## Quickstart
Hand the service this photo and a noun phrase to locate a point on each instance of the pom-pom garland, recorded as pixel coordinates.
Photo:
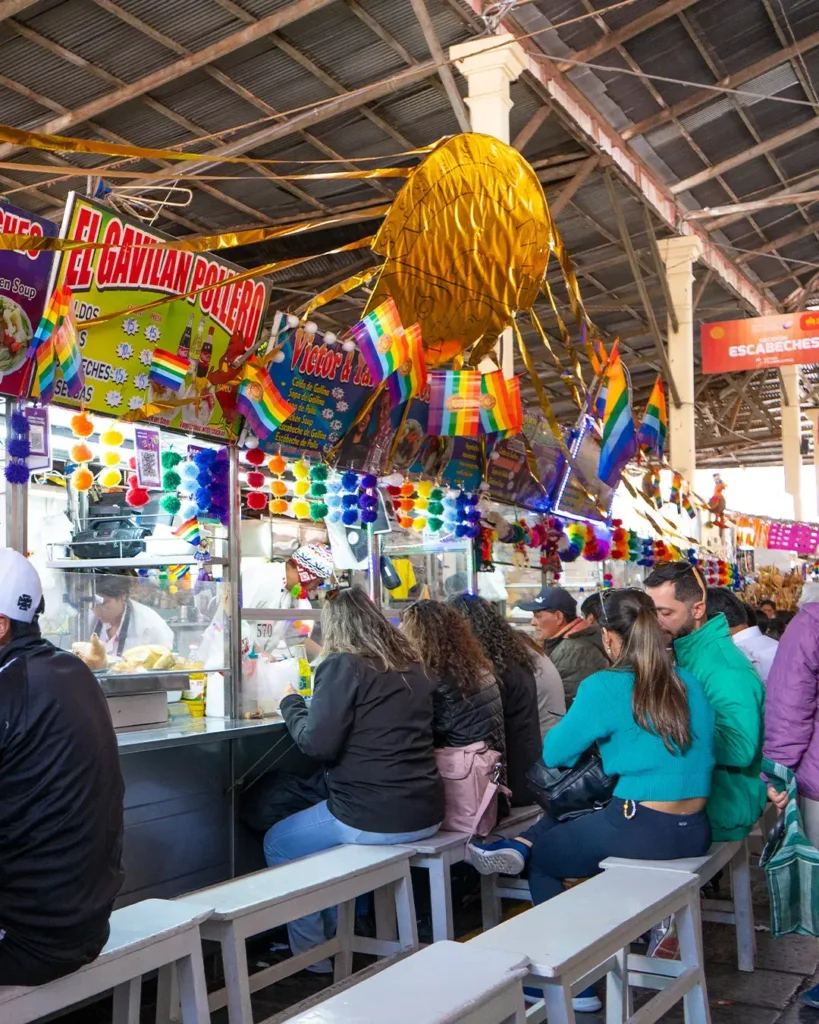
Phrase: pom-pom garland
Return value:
(171, 480)
(277, 465)
(319, 472)
(255, 457)
(170, 460)
(81, 426)
(170, 503)
(257, 500)
(301, 470)
(110, 477)
(278, 488)
(278, 506)
(80, 453)
(255, 479)
(82, 479)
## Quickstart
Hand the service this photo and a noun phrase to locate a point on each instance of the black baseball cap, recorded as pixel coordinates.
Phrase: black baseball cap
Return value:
(552, 599)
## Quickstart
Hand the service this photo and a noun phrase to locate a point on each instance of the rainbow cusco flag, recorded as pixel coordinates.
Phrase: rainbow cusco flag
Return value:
(168, 370)
(455, 402)
(260, 402)
(381, 340)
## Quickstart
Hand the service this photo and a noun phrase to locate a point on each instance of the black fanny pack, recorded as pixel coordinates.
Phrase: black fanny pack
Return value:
(566, 793)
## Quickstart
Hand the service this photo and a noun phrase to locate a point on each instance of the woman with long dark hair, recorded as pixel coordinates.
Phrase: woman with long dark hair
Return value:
(513, 665)
(370, 723)
(654, 729)
(466, 705)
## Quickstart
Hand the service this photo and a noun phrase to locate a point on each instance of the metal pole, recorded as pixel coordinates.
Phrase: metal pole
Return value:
(233, 683)
(374, 566)
(16, 503)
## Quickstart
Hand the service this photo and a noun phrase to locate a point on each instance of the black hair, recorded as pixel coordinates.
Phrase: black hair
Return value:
(775, 628)
(591, 606)
(767, 600)
(18, 630)
(501, 644)
(113, 586)
(688, 584)
(725, 601)
(750, 614)
(785, 616)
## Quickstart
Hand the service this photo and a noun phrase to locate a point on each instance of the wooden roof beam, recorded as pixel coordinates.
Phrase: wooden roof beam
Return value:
(444, 70)
(10, 8)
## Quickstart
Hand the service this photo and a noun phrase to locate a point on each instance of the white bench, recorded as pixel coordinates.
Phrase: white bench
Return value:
(437, 854)
(738, 911)
(144, 937)
(446, 983)
(581, 935)
(257, 903)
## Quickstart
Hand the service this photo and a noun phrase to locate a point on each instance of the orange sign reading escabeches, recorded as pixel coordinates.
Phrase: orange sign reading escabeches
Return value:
(731, 346)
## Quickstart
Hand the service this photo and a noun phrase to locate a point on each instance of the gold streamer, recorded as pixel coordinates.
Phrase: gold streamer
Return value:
(67, 144)
(564, 376)
(195, 243)
(540, 391)
(135, 176)
(149, 409)
(566, 338)
(336, 290)
(359, 416)
(396, 438)
(266, 268)
(531, 464)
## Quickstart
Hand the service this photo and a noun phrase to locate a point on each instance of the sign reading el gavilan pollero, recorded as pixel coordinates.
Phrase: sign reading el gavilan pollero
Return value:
(130, 272)
(732, 346)
(23, 290)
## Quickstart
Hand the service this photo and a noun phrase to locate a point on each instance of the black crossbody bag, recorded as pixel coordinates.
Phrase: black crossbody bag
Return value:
(566, 793)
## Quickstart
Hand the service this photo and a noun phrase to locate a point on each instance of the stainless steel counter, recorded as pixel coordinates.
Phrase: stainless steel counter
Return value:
(195, 730)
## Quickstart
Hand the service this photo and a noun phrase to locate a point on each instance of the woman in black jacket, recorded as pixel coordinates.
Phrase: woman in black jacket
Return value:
(370, 724)
(514, 667)
(466, 705)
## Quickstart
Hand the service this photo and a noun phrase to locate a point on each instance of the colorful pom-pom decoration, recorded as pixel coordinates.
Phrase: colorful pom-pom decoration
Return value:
(277, 465)
(301, 470)
(301, 487)
(82, 479)
(255, 479)
(436, 494)
(255, 457)
(170, 503)
(257, 500)
(80, 453)
(110, 458)
(349, 501)
(369, 515)
(170, 460)
(16, 472)
(135, 496)
(407, 489)
(301, 509)
(318, 489)
(350, 517)
(434, 525)
(111, 438)
(318, 510)
(369, 481)
(424, 488)
(278, 488)
(110, 478)
(405, 521)
(81, 426)
(349, 480)
(278, 506)
(406, 505)
(18, 448)
(421, 504)
(319, 472)
(171, 480)
(419, 523)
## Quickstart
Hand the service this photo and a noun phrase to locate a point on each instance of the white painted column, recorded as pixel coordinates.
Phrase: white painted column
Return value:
(489, 76)
(679, 255)
(813, 416)
(791, 414)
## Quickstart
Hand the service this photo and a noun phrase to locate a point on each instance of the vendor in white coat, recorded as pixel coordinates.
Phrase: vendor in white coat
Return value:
(122, 623)
(759, 649)
(280, 585)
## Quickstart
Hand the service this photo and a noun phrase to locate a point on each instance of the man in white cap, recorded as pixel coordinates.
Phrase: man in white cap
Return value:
(61, 795)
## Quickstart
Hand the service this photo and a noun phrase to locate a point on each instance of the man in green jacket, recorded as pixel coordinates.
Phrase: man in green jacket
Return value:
(733, 688)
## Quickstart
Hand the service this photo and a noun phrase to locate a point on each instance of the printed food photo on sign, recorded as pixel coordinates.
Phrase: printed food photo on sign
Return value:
(24, 280)
(166, 355)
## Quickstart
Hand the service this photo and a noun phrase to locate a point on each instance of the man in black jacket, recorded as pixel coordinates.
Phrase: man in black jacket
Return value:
(61, 796)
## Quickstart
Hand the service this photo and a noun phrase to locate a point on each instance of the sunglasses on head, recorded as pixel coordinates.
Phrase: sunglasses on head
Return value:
(681, 568)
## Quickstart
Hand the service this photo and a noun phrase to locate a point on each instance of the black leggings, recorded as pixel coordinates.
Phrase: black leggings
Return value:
(574, 849)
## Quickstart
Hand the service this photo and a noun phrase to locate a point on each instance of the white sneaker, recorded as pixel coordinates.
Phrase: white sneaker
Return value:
(587, 1004)
(506, 861)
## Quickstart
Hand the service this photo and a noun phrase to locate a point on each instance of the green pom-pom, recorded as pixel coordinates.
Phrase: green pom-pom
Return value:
(318, 511)
(171, 480)
(170, 460)
(319, 472)
(435, 508)
(434, 525)
(436, 494)
(170, 504)
(318, 490)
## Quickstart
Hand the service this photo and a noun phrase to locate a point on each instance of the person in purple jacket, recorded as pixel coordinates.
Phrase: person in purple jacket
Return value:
(792, 717)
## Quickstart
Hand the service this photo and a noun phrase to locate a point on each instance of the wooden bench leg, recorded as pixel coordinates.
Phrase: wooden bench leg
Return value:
(689, 933)
(743, 909)
(127, 999)
(618, 993)
(440, 895)
(385, 924)
(491, 909)
(405, 912)
(345, 928)
(193, 989)
(167, 996)
(237, 985)
(558, 1003)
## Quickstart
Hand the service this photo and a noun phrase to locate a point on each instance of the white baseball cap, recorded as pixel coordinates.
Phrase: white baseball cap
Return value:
(20, 589)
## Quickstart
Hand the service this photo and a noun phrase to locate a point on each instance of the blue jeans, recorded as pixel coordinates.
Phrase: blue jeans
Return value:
(312, 831)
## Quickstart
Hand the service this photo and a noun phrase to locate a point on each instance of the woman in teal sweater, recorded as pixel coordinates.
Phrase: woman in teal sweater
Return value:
(655, 730)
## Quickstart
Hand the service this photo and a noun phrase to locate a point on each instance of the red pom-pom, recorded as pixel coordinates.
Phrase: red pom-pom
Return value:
(136, 497)
(255, 479)
(257, 501)
(393, 491)
(255, 456)
(132, 462)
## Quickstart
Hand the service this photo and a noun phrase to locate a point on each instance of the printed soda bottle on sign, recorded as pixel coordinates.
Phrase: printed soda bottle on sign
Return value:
(198, 341)
(205, 357)
(185, 341)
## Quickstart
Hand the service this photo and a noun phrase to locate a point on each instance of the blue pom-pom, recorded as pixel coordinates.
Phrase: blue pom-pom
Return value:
(203, 498)
(334, 517)
(472, 531)
(334, 486)
(473, 516)
(205, 458)
(334, 501)
(349, 500)
(450, 515)
(461, 530)
(16, 472)
(18, 448)
(19, 422)
(349, 480)
(350, 517)
(473, 499)
(369, 515)
(367, 501)
(368, 481)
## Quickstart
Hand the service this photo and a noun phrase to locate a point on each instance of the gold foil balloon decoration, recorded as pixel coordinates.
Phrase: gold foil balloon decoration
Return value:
(465, 244)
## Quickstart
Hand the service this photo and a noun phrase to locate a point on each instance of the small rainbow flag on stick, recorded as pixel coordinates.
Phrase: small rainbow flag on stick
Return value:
(619, 435)
(42, 344)
(455, 402)
(652, 433)
(260, 402)
(501, 410)
(177, 572)
(410, 378)
(381, 340)
(168, 370)
(189, 531)
(67, 350)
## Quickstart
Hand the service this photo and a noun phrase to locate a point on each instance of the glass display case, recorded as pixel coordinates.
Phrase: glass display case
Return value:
(425, 568)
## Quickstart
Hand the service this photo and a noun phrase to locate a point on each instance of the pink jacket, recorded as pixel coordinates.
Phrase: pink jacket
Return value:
(792, 701)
